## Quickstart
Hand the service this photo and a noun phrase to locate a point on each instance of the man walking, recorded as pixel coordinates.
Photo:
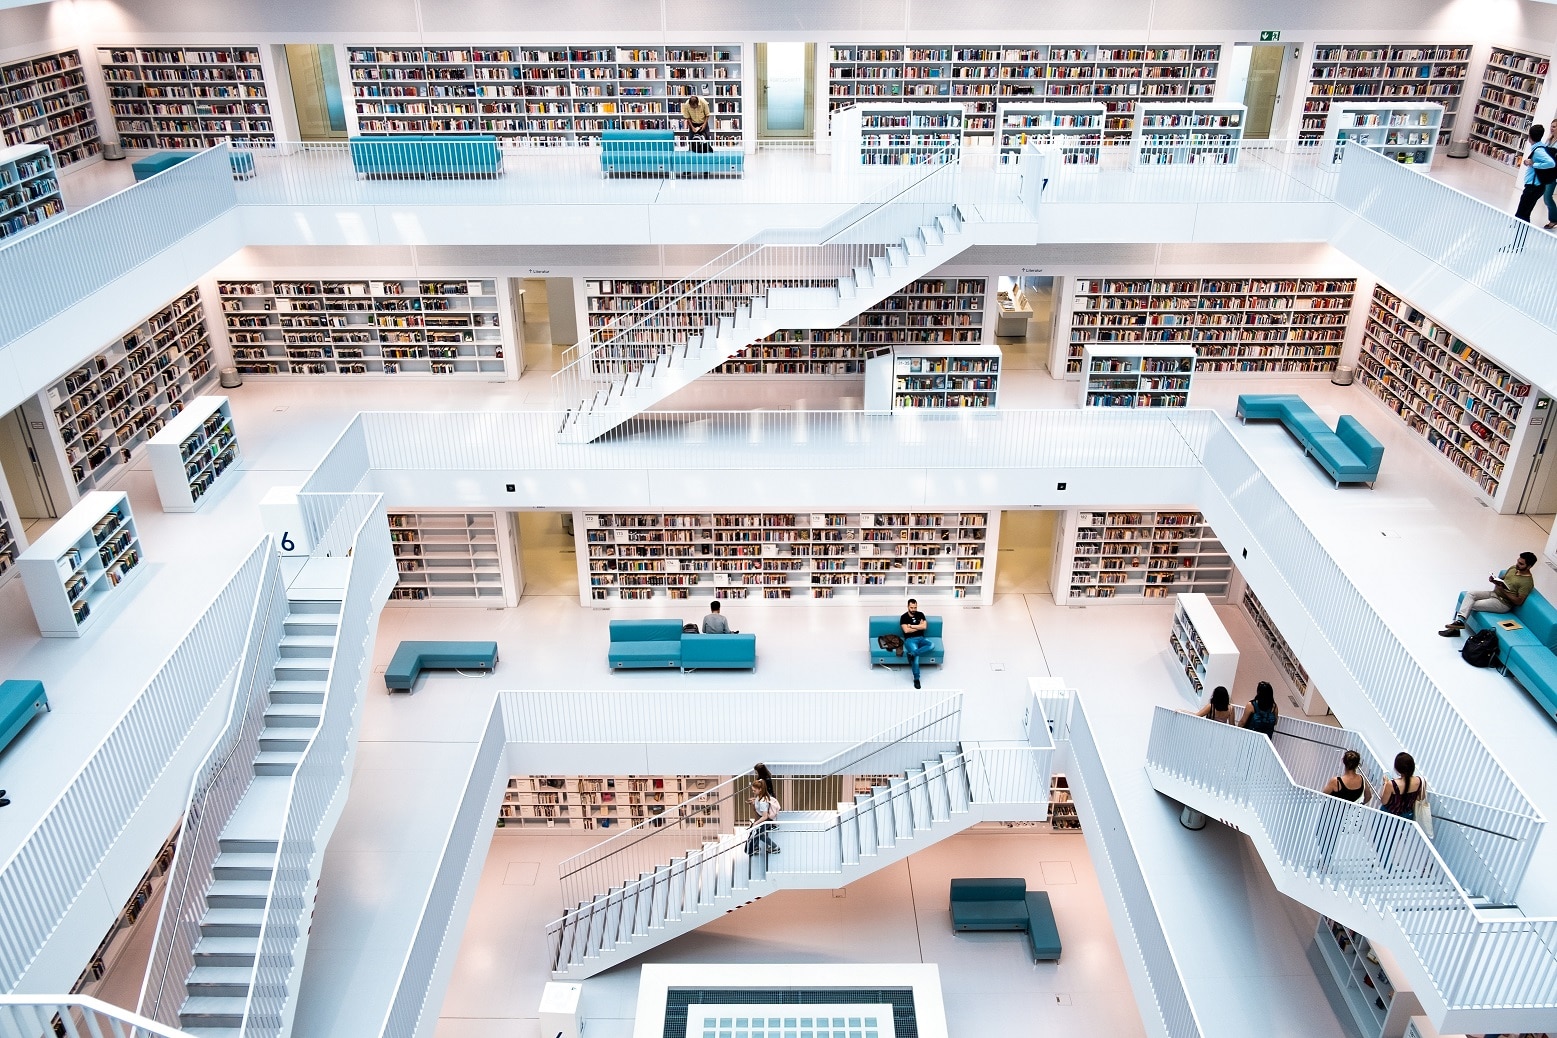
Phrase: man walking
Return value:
(914, 624)
(1540, 170)
(1509, 591)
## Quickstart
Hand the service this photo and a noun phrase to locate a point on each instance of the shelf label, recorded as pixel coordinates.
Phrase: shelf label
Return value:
(1270, 35)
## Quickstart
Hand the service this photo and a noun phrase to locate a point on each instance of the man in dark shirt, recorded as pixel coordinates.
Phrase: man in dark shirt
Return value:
(914, 625)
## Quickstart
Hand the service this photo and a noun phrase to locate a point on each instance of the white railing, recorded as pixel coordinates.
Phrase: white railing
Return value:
(1267, 171)
(55, 862)
(1108, 838)
(343, 466)
(218, 786)
(46, 272)
(1478, 242)
(1369, 861)
(75, 1016)
(318, 785)
(470, 832)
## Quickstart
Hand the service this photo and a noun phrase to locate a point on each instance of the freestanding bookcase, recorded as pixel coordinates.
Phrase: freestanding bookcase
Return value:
(1077, 128)
(1138, 376)
(192, 452)
(1135, 556)
(903, 133)
(1180, 133)
(1406, 132)
(1204, 651)
(80, 563)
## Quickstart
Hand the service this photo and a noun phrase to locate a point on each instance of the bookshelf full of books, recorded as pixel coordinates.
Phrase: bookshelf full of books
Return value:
(106, 409)
(187, 97)
(1062, 806)
(1140, 376)
(1132, 556)
(896, 133)
(451, 558)
(192, 452)
(579, 802)
(1076, 127)
(543, 95)
(1404, 131)
(29, 189)
(1510, 89)
(1301, 690)
(843, 556)
(368, 326)
(1473, 412)
(1241, 326)
(44, 100)
(946, 376)
(1384, 73)
(980, 77)
(81, 562)
(1180, 133)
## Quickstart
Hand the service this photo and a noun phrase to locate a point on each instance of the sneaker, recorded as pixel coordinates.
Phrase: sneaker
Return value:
(4, 802)
(916, 682)
(1452, 631)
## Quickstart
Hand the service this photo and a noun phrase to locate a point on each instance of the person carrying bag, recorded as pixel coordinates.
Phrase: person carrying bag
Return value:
(765, 809)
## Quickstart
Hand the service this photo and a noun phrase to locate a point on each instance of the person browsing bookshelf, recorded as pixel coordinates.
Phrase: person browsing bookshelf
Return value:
(1509, 591)
(714, 622)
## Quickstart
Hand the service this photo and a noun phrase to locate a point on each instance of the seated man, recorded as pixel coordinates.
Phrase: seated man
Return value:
(714, 622)
(1509, 591)
(914, 625)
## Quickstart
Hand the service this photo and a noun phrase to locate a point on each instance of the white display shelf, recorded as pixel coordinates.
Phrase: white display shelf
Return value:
(1406, 132)
(1238, 326)
(1133, 556)
(1510, 89)
(1367, 977)
(853, 556)
(1302, 692)
(1142, 376)
(1472, 411)
(1381, 72)
(903, 133)
(577, 802)
(980, 76)
(1076, 127)
(44, 100)
(551, 95)
(105, 410)
(187, 97)
(370, 326)
(1205, 653)
(80, 563)
(452, 558)
(1179, 133)
(192, 452)
(965, 376)
(1062, 806)
(29, 189)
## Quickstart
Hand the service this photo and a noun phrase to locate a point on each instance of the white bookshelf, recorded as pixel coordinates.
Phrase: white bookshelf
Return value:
(1180, 133)
(960, 376)
(1301, 690)
(1062, 806)
(107, 408)
(1239, 326)
(1139, 555)
(1077, 128)
(456, 327)
(192, 452)
(452, 558)
(1469, 409)
(1205, 655)
(550, 95)
(1368, 978)
(1140, 376)
(1404, 131)
(12, 540)
(187, 97)
(578, 802)
(1384, 73)
(80, 563)
(887, 133)
(29, 189)
(657, 557)
(44, 100)
(1510, 89)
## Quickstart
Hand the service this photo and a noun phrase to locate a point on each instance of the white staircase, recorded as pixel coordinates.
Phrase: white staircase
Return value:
(218, 987)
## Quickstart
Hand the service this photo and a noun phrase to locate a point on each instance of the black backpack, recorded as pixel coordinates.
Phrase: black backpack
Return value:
(1481, 649)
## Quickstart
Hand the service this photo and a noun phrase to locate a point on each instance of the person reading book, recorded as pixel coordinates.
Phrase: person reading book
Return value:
(1509, 591)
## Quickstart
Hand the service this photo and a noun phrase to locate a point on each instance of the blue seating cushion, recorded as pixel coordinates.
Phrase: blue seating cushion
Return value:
(1535, 667)
(989, 915)
(722, 651)
(1041, 931)
(1507, 640)
(1265, 405)
(645, 631)
(412, 657)
(1540, 617)
(623, 655)
(880, 625)
(987, 888)
(1362, 443)
(1350, 454)
(411, 154)
(20, 702)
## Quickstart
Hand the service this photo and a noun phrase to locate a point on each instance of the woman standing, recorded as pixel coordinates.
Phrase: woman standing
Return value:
(1404, 796)
(1261, 714)
(1219, 707)
(1350, 787)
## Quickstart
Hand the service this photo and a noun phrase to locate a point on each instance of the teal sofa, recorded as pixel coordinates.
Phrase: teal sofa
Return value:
(1350, 454)
(20, 702)
(1529, 651)
(880, 625)
(718, 652)
(241, 161)
(1007, 904)
(653, 153)
(411, 658)
(636, 644)
(427, 157)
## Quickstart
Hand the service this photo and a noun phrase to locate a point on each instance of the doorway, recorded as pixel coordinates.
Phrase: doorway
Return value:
(37, 503)
(1262, 90)
(1540, 496)
(1027, 542)
(1024, 321)
(786, 78)
(548, 557)
(316, 91)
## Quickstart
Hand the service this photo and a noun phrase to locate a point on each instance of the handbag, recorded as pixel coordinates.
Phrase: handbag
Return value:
(891, 642)
(1424, 815)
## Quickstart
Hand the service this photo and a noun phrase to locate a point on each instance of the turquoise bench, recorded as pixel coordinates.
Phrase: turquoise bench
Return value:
(1528, 652)
(1350, 454)
(644, 643)
(411, 658)
(241, 161)
(1006, 904)
(880, 625)
(426, 157)
(653, 153)
(718, 652)
(20, 702)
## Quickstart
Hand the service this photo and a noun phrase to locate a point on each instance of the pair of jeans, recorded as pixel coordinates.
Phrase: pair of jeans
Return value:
(913, 646)
(1551, 204)
(1479, 602)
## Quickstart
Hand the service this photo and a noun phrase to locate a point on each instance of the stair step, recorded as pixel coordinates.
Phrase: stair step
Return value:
(237, 893)
(291, 691)
(301, 670)
(209, 1011)
(288, 739)
(306, 646)
(226, 951)
(219, 981)
(243, 866)
(232, 922)
(212, 1032)
(276, 762)
(229, 845)
(292, 715)
(897, 256)
(316, 624)
(305, 601)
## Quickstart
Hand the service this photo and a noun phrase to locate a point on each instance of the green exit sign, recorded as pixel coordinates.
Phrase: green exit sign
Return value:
(1270, 35)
